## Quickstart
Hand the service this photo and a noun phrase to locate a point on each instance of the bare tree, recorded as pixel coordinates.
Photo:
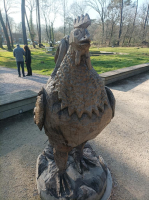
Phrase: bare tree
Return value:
(64, 9)
(31, 35)
(146, 17)
(52, 8)
(31, 6)
(1, 44)
(38, 22)
(78, 8)
(145, 22)
(23, 21)
(1, 39)
(100, 6)
(134, 21)
(69, 23)
(64, 12)
(7, 7)
(112, 19)
(5, 31)
(121, 21)
(122, 4)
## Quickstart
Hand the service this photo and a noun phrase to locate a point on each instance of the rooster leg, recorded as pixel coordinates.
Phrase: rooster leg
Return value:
(83, 159)
(60, 158)
(77, 154)
(61, 179)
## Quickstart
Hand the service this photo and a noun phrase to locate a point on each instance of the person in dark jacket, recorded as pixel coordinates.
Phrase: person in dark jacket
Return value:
(28, 60)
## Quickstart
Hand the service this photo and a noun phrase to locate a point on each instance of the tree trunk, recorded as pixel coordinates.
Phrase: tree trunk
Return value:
(7, 23)
(145, 23)
(126, 34)
(10, 34)
(133, 23)
(47, 32)
(29, 30)
(23, 22)
(103, 25)
(39, 27)
(111, 34)
(64, 9)
(5, 31)
(102, 31)
(37, 17)
(50, 36)
(52, 33)
(121, 24)
(1, 45)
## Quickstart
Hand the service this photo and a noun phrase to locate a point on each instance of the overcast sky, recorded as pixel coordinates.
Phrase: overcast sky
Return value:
(16, 14)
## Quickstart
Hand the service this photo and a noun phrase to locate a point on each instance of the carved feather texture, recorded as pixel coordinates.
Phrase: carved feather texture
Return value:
(39, 111)
(79, 89)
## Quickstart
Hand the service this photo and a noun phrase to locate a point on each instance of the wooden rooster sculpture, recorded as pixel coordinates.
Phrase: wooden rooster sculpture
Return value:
(73, 107)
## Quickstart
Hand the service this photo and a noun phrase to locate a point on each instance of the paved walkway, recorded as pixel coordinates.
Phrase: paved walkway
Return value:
(10, 82)
(124, 143)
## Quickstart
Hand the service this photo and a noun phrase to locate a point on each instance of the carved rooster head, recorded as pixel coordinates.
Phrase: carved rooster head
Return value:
(80, 38)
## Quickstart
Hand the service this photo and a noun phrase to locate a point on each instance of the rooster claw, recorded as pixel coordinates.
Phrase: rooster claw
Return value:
(84, 159)
(83, 164)
(80, 165)
(60, 185)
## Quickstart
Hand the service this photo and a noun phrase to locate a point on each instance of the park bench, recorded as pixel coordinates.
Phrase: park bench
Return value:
(49, 49)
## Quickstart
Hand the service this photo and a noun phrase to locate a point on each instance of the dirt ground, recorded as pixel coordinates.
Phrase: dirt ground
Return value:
(124, 145)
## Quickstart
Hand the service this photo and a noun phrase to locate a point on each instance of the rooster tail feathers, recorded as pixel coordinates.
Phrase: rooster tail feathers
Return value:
(39, 110)
(111, 99)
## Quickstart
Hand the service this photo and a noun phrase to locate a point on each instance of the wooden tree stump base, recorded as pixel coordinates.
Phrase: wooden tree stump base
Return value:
(93, 184)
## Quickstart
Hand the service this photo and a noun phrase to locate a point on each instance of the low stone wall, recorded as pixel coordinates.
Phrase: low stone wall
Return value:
(119, 74)
(16, 103)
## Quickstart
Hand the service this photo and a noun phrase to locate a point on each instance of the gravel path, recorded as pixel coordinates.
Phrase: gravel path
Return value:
(123, 144)
(10, 82)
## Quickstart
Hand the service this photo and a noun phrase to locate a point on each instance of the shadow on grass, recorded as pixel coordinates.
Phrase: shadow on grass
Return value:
(6, 49)
(8, 64)
(2, 48)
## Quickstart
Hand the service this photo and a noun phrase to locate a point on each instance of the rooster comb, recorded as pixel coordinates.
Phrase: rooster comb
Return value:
(82, 22)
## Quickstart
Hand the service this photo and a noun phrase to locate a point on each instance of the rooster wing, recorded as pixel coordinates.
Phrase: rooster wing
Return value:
(39, 111)
(111, 100)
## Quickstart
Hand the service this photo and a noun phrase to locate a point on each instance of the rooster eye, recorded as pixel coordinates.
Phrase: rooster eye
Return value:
(77, 32)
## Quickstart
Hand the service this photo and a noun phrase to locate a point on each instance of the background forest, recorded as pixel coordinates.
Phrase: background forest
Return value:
(118, 22)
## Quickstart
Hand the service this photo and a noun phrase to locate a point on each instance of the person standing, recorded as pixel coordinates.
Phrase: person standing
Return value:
(28, 60)
(18, 53)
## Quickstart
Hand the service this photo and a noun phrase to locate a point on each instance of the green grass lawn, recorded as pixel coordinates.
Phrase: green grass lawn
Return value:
(43, 63)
